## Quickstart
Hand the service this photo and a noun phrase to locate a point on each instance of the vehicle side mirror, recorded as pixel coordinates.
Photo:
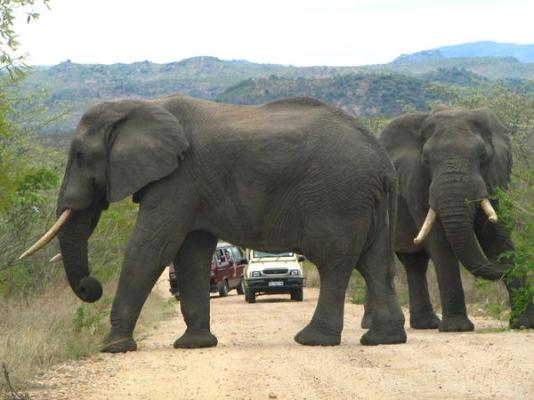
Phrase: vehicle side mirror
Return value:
(301, 258)
(244, 261)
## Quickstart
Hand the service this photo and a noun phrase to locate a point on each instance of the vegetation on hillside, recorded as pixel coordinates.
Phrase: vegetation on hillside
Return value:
(358, 94)
(71, 88)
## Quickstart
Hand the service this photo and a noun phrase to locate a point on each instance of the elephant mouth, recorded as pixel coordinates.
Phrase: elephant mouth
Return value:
(485, 205)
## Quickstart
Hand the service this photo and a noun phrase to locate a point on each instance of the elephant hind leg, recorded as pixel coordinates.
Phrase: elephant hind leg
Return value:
(327, 322)
(422, 315)
(377, 267)
(193, 275)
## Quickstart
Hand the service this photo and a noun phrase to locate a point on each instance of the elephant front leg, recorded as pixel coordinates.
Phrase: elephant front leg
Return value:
(454, 314)
(153, 245)
(141, 269)
(193, 273)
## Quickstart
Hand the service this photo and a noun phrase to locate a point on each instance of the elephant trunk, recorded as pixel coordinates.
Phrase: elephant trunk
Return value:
(73, 239)
(457, 214)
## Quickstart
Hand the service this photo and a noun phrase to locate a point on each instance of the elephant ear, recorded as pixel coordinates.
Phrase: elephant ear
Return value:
(145, 142)
(403, 141)
(497, 173)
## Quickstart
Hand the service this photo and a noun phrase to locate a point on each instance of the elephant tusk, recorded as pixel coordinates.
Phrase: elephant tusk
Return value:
(58, 257)
(427, 226)
(488, 209)
(48, 236)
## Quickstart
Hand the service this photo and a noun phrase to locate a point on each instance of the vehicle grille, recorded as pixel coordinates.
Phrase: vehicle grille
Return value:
(275, 271)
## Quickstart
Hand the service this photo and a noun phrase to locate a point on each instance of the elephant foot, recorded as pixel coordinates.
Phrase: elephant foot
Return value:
(118, 344)
(366, 321)
(525, 321)
(195, 340)
(318, 334)
(392, 334)
(459, 323)
(424, 321)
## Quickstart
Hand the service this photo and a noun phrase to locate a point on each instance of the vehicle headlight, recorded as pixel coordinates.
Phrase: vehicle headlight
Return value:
(294, 272)
(255, 274)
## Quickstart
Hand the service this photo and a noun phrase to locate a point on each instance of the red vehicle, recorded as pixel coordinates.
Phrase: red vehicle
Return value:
(227, 267)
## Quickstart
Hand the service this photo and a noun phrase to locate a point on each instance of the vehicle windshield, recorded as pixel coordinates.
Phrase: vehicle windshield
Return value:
(261, 254)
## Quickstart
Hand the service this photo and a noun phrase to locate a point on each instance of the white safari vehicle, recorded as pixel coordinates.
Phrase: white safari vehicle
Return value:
(269, 273)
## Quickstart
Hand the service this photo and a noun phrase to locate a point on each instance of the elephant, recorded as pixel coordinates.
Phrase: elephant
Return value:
(292, 175)
(448, 163)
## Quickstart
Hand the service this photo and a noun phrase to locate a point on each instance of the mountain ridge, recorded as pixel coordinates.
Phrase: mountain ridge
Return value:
(523, 53)
(73, 87)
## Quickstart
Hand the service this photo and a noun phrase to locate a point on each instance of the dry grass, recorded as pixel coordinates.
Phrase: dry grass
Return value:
(483, 298)
(42, 330)
(311, 274)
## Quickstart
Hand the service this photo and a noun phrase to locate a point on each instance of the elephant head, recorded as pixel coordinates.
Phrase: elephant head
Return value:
(449, 162)
(118, 148)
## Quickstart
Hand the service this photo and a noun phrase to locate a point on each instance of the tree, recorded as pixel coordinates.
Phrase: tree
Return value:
(9, 44)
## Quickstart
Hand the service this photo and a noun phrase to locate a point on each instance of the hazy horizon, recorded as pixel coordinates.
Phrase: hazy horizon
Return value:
(302, 33)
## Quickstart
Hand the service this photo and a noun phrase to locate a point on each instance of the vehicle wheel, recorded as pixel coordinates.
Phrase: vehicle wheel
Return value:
(241, 287)
(223, 291)
(250, 296)
(297, 294)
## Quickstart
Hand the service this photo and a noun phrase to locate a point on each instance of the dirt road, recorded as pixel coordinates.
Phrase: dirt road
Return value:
(257, 359)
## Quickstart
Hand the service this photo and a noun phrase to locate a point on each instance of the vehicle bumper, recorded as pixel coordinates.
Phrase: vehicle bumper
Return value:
(273, 285)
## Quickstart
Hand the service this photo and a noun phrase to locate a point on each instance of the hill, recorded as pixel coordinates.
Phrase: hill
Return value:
(523, 53)
(358, 94)
(70, 88)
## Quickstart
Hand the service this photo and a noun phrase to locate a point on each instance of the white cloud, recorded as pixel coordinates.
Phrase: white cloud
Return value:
(298, 32)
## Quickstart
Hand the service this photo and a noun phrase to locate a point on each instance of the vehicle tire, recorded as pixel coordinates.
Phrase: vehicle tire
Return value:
(297, 294)
(223, 291)
(241, 287)
(250, 296)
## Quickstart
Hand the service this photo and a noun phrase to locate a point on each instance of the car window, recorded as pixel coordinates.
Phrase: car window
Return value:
(236, 253)
(221, 257)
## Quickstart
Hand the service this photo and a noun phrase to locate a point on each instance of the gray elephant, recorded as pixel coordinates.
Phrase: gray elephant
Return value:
(448, 163)
(292, 175)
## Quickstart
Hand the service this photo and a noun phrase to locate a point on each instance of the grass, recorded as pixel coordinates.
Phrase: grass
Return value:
(311, 274)
(39, 331)
(483, 298)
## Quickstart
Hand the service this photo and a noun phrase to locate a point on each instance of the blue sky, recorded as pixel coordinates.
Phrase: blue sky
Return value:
(297, 32)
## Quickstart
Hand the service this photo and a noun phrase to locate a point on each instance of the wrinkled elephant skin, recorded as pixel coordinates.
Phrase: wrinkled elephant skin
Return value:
(449, 163)
(292, 175)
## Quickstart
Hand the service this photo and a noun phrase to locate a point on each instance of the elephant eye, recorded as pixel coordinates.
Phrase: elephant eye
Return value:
(483, 154)
(79, 156)
(424, 159)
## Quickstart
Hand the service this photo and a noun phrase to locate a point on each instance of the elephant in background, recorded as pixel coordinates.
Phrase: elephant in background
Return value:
(448, 164)
(292, 175)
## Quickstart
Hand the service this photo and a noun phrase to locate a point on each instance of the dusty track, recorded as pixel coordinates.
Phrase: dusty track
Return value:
(257, 359)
